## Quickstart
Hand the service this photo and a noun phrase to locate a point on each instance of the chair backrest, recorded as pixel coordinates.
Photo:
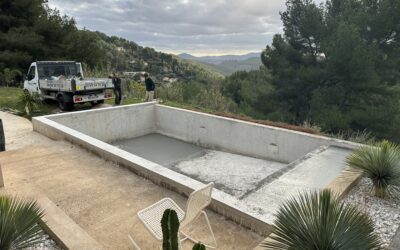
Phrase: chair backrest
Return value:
(198, 200)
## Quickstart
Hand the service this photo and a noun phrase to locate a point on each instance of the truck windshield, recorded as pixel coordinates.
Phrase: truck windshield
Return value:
(55, 71)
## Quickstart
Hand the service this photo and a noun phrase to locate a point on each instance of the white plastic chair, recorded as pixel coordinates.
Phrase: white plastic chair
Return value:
(197, 201)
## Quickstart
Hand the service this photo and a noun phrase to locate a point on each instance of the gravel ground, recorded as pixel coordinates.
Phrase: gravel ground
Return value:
(385, 213)
(46, 244)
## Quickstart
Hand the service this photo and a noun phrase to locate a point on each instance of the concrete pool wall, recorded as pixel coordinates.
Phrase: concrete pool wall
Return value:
(241, 137)
(110, 124)
(96, 129)
(209, 131)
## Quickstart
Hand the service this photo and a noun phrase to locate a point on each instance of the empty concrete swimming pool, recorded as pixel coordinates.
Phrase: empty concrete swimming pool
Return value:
(255, 167)
(232, 173)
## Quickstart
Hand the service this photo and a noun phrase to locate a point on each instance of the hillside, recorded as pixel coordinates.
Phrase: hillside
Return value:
(227, 64)
(220, 59)
(46, 35)
(232, 66)
(126, 55)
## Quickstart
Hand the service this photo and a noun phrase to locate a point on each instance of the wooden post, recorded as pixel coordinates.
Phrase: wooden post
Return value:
(2, 138)
(1, 178)
(2, 148)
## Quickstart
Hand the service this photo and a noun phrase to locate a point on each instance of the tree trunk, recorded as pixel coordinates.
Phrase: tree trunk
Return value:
(2, 138)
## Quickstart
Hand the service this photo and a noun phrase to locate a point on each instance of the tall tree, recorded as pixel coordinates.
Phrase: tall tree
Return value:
(293, 58)
(338, 64)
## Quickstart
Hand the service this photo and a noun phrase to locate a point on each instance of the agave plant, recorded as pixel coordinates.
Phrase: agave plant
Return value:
(19, 223)
(380, 163)
(318, 220)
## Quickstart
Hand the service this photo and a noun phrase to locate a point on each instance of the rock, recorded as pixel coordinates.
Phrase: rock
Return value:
(46, 244)
(384, 213)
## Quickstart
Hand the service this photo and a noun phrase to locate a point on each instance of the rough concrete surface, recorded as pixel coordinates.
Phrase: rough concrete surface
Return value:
(18, 132)
(111, 123)
(232, 173)
(244, 177)
(313, 173)
(159, 148)
(64, 230)
(237, 136)
(99, 196)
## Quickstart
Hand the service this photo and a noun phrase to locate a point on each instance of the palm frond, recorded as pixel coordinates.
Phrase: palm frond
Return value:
(29, 102)
(19, 223)
(317, 220)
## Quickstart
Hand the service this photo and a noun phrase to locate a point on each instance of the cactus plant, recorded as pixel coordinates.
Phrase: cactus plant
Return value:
(199, 246)
(170, 229)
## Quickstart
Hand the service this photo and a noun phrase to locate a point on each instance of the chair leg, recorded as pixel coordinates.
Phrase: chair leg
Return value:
(211, 231)
(133, 242)
(187, 237)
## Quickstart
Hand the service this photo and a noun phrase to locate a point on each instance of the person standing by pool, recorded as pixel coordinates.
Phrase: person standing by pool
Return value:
(150, 87)
(117, 88)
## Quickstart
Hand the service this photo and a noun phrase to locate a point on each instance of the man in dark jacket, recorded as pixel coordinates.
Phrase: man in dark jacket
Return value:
(117, 88)
(150, 86)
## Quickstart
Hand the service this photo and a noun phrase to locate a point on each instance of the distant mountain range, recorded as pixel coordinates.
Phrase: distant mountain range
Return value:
(228, 64)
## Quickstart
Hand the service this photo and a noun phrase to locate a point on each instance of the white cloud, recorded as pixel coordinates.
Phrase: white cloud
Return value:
(194, 26)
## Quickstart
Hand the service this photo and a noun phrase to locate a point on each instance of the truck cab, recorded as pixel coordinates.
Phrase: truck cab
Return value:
(64, 82)
(31, 83)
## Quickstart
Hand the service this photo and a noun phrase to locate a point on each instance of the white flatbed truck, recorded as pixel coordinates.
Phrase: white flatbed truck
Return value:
(64, 82)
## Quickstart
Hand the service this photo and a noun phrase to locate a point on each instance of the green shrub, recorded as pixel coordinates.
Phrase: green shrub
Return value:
(29, 102)
(10, 77)
(170, 92)
(317, 221)
(380, 162)
(363, 136)
(212, 99)
(138, 90)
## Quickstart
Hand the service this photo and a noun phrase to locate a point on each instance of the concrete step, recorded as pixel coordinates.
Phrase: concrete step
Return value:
(313, 172)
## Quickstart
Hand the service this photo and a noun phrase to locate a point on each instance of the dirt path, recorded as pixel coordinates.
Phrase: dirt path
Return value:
(18, 132)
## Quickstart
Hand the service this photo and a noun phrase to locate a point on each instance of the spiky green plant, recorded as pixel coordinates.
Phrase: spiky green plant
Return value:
(318, 220)
(380, 162)
(199, 246)
(19, 223)
(170, 230)
(29, 102)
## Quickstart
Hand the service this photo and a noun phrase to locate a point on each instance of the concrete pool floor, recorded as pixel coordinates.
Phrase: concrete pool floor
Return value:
(98, 195)
(232, 173)
(260, 183)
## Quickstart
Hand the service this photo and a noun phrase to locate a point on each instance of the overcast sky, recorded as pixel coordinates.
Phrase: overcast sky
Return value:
(199, 27)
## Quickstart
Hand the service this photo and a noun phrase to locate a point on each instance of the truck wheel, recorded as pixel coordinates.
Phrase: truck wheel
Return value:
(64, 103)
(48, 101)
